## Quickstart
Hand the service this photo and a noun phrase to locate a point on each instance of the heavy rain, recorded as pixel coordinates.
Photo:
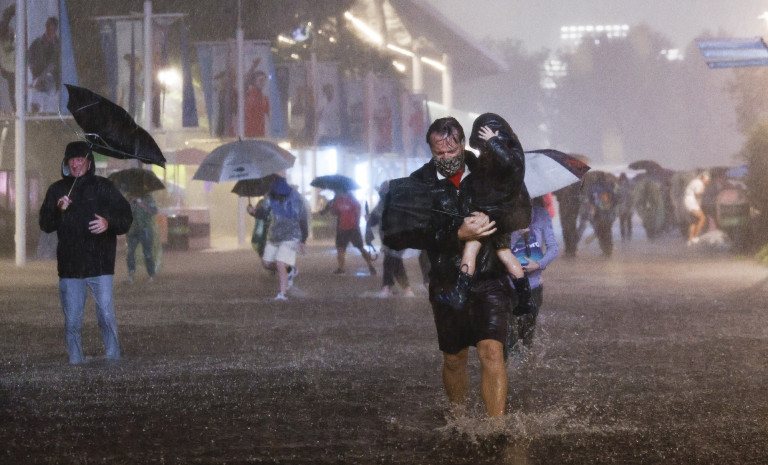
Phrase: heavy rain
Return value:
(649, 346)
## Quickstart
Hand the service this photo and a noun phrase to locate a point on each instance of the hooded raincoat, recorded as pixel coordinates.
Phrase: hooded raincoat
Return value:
(81, 254)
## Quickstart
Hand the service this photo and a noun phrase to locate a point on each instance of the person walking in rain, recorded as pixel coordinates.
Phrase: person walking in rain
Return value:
(347, 210)
(393, 266)
(496, 189)
(287, 234)
(692, 201)
(535, 247)
(484, 320)
(88, 213)
(142, 232)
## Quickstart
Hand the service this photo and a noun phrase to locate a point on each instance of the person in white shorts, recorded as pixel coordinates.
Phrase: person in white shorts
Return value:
(692, 201)
(288, 232)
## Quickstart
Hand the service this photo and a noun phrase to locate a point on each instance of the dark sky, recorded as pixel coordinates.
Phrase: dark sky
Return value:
(537, 22)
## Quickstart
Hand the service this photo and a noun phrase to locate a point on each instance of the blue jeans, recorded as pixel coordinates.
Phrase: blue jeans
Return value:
(145, 238)
(73, 292)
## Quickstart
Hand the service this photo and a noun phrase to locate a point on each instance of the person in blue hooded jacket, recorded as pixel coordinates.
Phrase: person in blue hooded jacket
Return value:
(87, 212)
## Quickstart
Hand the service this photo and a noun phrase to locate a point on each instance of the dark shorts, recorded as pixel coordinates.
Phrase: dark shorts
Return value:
(344, 237)
(485, 316)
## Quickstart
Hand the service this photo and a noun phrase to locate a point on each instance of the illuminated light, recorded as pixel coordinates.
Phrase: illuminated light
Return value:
(433, 63)
(590, 28)
(287, 40)
(295, 56)
(398, 66)
(169, 77)
(332, 40)
(399, 50)
(373, 35)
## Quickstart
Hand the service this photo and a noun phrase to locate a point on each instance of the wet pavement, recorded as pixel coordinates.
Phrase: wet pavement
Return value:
(657, 355)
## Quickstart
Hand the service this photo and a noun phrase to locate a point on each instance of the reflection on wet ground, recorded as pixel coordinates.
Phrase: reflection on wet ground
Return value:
(656, 355)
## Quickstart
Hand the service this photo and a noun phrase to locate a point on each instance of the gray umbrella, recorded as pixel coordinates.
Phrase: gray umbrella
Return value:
(244, 159)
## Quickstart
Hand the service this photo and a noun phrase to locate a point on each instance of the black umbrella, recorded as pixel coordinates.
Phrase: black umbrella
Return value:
(254, 187)
(136, 181)
(335, 182)
(647, 165)
(110, 129)
(407, 214)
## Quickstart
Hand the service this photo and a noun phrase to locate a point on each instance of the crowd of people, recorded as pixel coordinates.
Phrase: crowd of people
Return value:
(483, 242)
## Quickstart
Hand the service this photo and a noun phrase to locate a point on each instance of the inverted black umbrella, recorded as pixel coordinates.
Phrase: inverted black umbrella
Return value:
(335, 182)
(254, 187)
(110, 129)
(136, 181)
(406, 216)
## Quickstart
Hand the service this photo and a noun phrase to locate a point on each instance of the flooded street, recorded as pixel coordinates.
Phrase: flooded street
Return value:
(657, 355)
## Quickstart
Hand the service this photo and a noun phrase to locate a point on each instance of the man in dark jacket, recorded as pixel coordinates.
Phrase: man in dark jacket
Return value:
(484, 321)
(88, 213)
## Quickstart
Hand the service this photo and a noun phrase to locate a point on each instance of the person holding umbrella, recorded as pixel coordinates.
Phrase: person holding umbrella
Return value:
(88, 213)
(142, 232)
(347, 210)
(287, 234)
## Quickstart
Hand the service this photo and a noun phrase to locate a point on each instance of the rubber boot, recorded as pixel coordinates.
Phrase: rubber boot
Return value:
(457, 297)
(525, 304)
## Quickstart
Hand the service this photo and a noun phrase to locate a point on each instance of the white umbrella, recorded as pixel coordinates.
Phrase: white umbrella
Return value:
(548, 170)
(244, 159)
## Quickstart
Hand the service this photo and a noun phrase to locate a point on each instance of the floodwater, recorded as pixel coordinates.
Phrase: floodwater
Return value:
(655, 356)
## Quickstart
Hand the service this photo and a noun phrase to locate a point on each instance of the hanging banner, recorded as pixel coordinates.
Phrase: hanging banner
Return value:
(327, 104)
(383, 115)
(50, 45)
(415, 123)
(218, 66)
(354, 105)
(7, 57)
(172, 99)
(300, 113)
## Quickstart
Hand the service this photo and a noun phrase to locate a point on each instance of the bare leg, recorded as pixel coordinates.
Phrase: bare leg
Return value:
(282, 273)
(340, 257)
(493, 378)
(510, 262)
(469, 256)
(455, 379)
(268, 265)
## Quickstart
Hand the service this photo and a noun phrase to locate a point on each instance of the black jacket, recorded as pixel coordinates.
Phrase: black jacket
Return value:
(439, 236)
(495, 186)
(80, 253)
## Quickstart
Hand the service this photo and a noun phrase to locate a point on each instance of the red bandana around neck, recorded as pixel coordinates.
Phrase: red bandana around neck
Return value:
(456, 178)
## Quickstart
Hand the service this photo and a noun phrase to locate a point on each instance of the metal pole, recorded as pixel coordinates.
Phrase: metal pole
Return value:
(447, 83)
(148, 93)
(240, 117)
(21, 134)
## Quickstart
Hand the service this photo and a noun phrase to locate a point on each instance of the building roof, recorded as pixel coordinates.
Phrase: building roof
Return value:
(416, 25)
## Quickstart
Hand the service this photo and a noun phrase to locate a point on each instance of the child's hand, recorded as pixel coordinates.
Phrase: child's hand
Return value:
(485, 133)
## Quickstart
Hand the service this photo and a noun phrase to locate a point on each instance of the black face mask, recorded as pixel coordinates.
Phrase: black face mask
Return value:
(450, 166)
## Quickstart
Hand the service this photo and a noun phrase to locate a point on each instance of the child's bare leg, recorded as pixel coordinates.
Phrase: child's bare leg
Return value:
(469, 256)
(510, 262)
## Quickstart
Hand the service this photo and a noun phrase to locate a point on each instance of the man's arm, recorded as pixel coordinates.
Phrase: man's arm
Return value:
(476, 227)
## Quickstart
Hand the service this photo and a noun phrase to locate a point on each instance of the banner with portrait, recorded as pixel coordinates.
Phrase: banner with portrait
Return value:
(122, 41)
(328, 106)
(7, 57)
(299, 104)
(218, 72)
(356, 136)
(50, 57)
(416, 121)
(383, 115)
